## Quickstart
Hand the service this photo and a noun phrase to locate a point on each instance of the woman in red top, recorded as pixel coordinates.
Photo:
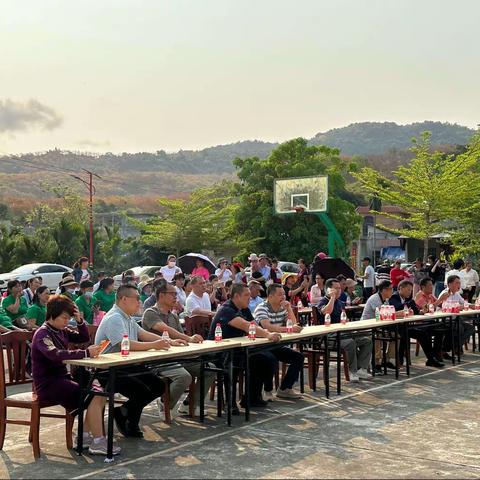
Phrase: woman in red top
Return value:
(397, 274)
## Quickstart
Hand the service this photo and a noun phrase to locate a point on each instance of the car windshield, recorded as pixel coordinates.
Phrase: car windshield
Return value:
(25, 269)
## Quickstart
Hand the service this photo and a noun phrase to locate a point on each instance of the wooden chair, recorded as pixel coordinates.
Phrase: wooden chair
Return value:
(14, 347)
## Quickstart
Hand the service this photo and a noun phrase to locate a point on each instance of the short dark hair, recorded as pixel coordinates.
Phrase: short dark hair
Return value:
(101, 274)
(424, 281)
(12, 284)
(162, 288)
(452, 278)
(458, 264)
(404, 283)
(366, 259)
(238, 288)
(341, 277)
(329, 283)
(158, 283)
(86, 284)
(178, 276)
(127, 279)
(38, 292)
(105, 283)
(272, 288)
(384, 285)
(212, 277)
(123, 290)
(58, 304)
(228, 283)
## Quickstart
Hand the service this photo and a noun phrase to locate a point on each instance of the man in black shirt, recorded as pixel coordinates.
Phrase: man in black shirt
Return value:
(234, 318)
(422, 333)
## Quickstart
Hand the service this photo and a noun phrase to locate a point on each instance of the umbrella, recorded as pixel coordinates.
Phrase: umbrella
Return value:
(187, 262)
(332, 267)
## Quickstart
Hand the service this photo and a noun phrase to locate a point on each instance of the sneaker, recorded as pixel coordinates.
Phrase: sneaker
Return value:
(160, 407)
(185, 410)
(354, 377)
(99, 447)
(363, 374)
(268, 396)
(289, 393)
(87, 439)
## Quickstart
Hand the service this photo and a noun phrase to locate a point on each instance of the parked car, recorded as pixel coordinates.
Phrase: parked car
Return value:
(51, 274)
(138, 272)
(288, 267)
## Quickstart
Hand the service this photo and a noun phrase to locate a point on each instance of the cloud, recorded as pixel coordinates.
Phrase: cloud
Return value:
(29, 115)
(93, 143)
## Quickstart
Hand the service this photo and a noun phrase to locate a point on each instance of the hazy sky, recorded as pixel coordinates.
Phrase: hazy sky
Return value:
(133, 75)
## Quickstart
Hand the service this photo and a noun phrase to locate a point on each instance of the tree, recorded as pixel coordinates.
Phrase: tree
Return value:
(291, 236)
(433, 191)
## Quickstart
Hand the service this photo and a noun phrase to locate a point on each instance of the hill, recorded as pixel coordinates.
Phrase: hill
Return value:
(147, 174)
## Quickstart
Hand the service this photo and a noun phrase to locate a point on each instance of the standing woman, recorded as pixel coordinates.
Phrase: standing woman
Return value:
(85, 303)
(105, 295)
(32, 285)
(80, 270)
(15, 305)
(170, 269)
(36, 314)
(52, 382)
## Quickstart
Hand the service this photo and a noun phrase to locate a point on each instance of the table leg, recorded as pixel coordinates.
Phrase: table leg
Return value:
(302, 378)
(202, 390)
(396, 352)
(230, 398)
(407, 353)
(474, 340)
(339, 364)
(452, 333)
(459, 339)
(247, 384)
(326, 368)
(81, 408)
(384, 352)
(111, 405)
(373, 352)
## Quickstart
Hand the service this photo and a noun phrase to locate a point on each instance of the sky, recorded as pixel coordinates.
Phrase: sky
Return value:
(146, 75)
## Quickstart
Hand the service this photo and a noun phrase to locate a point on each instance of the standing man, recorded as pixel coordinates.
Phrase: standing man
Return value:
(136, 382)
(272, 314)
(368, 278)
(471, 279)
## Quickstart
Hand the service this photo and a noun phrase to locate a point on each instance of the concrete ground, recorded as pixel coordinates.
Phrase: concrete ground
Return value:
(424, 426)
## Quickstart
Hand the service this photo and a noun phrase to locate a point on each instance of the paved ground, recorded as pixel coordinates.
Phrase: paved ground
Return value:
(424, 426)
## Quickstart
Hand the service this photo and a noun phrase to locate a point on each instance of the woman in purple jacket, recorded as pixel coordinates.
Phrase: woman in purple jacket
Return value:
(52, 382)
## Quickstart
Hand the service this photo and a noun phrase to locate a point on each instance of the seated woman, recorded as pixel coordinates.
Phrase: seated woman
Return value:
(36, 314)
(84, 301)
(179, 282)
(105, 295)
(15, 305)
(200, 269)
(52, 382)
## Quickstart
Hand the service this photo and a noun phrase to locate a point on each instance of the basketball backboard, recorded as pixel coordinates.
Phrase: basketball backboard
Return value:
(307, 193)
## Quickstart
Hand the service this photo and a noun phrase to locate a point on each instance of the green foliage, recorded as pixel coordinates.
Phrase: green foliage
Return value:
(434, 190)
(203, 221)
(290, 236)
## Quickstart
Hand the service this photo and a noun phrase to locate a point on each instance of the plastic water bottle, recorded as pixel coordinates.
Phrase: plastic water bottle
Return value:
(125, 346)
(431, 308)
(165, 336)
(377, 314)
(289, 326)
(218, 333)
(349, 301)
(252, 331)
(328, 320)
(343, 318)
(405, 311)
(299, 305)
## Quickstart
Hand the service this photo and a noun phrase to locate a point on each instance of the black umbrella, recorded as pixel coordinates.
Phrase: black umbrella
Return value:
(187, 262)
(331, 268)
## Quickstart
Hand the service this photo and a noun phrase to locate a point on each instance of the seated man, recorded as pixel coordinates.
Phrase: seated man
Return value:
(198, 302)
(234, 318)
(255, 298)
(160, 318)
(422, 333)
(452, 294)
(272, 314)
(151, 300)
(136, 382)
(383, 294)
(359, 349)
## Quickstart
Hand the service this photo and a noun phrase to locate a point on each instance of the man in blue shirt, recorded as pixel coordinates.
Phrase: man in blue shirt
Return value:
(359, 349)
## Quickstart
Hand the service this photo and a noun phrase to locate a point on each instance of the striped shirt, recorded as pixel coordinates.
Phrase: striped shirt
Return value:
(264, 311)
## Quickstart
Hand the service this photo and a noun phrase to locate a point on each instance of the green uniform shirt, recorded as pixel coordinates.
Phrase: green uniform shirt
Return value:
(143, 297)
(38, 312)
(5, 320)
(104, 300)
(85, 307)
(7, 301)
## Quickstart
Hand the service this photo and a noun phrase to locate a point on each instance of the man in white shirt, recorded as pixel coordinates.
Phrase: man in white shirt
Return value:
(368, 278)
(471, 281)
(222, 272)
(198, 302)
(457, 270)
(170, 269)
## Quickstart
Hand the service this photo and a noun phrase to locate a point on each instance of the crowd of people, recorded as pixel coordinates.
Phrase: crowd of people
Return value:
(151, 311)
